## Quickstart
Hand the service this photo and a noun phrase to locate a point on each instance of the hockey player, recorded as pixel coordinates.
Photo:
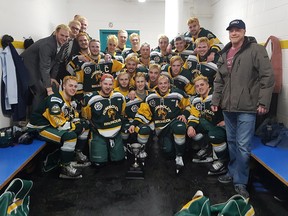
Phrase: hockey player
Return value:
(182, 78)
(199, 61)
(123, 80)
(105, 110)
(168, 109)
(159, 55)
(211, 124)
(141, 132)
(57, 121)
(112, 43)
(153, 75)
(194, 32)
(182, 47)
(135, 42)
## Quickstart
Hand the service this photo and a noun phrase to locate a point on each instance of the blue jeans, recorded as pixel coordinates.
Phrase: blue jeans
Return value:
(240, 130)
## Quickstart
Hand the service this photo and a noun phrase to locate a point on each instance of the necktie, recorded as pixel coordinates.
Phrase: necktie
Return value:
(67, 50)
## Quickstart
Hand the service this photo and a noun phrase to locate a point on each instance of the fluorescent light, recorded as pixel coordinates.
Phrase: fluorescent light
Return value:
(141, 1)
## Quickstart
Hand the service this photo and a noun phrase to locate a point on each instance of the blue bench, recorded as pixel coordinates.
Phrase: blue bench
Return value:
(274, 159)
(13, 159)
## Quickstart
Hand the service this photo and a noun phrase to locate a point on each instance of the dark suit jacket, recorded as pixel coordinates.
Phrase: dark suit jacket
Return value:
(42, 61)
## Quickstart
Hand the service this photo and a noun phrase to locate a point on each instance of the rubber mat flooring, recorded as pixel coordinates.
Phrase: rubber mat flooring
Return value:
(160, 193)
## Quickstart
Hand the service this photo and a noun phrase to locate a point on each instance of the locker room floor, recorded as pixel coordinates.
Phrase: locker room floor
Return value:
(161, 193)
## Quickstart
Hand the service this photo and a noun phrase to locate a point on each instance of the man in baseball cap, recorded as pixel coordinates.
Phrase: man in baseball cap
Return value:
(237, 23)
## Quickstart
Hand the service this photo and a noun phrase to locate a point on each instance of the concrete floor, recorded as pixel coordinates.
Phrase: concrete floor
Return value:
(161, 193)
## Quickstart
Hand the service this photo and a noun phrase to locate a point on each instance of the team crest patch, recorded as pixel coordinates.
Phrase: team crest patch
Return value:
(98, 106)
(199, 106)
(152, 103)
(55, 109)
(87, 70)
(134, 108)
(157, 59)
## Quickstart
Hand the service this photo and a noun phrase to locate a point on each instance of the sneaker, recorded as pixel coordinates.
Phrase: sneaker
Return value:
(77, 164)
(203, 156)
(80, 157)
(225, 179)
(241, 189)
(217, 168)
(69, 172)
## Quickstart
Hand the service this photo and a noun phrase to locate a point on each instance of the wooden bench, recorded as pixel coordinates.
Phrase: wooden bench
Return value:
(13, 159)
(274, 159)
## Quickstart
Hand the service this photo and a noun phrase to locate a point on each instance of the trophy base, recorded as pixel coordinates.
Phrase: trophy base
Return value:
(135, 173)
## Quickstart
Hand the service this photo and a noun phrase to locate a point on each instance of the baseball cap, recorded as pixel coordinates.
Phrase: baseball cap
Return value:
(237, 23)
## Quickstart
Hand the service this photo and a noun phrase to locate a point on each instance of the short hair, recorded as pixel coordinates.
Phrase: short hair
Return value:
(162, 36)
(138, 75)
(176, 58)
(162, 76)
(107, 76)
(122, 73)
(155, 66)
(144, 44)
(179, 38)
(202, 40)
(94, 40)
(193, 20)
(74, 22)
(81, 18)
(200, 77)
(132, 57)
(113, 39)
(82, 34)
(66, 78)
(62, 26)
(134, 35)
(122, 31)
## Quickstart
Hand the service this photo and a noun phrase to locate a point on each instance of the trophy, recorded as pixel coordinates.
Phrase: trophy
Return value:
(135, 170)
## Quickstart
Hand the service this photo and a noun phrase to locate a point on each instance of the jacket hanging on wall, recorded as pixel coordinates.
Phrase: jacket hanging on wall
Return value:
(14, 82)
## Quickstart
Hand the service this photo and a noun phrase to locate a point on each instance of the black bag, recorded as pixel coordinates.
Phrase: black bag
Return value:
(6, 137)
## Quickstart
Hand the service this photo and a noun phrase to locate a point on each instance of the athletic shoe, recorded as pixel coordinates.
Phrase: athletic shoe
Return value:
(203, 156)
(241, 189)
(217, 168)
(69, 172)
(80, 157)
(225, 179)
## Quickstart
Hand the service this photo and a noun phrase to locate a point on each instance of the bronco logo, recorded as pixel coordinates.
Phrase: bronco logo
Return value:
(162, 113)
(111, 113)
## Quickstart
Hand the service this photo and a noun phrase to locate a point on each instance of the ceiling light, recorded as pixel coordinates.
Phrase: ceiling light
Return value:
(141, 1)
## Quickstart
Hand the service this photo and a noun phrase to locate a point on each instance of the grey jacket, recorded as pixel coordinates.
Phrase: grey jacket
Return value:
(250, 82)
(42, 61)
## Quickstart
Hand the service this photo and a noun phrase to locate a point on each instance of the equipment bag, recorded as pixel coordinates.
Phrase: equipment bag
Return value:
(16, 199)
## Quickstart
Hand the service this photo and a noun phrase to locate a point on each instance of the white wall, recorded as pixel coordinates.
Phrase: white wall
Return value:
(263, 18)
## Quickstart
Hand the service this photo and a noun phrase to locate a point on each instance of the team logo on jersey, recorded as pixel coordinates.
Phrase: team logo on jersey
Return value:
(87, 70)
(157, 59)
(152, 103)
(198, 106)
(162, 113)
(55, 109)
(134, 108)
(98, 106)
(111, 113)
(97, 74)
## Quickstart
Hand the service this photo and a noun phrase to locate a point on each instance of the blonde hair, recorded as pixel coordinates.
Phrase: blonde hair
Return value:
(134, 35)
(200, 77)
(113, 39)
(122, 31)
(132, 57)
(66, 78)
(176, 58)
(74, 22)
(202, 40)
(193, 20)
(83, 34)
(162, 36)
(138, 75)
(62, 26)
(155, 66)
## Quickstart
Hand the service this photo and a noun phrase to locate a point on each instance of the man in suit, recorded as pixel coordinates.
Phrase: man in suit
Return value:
(42, 61)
